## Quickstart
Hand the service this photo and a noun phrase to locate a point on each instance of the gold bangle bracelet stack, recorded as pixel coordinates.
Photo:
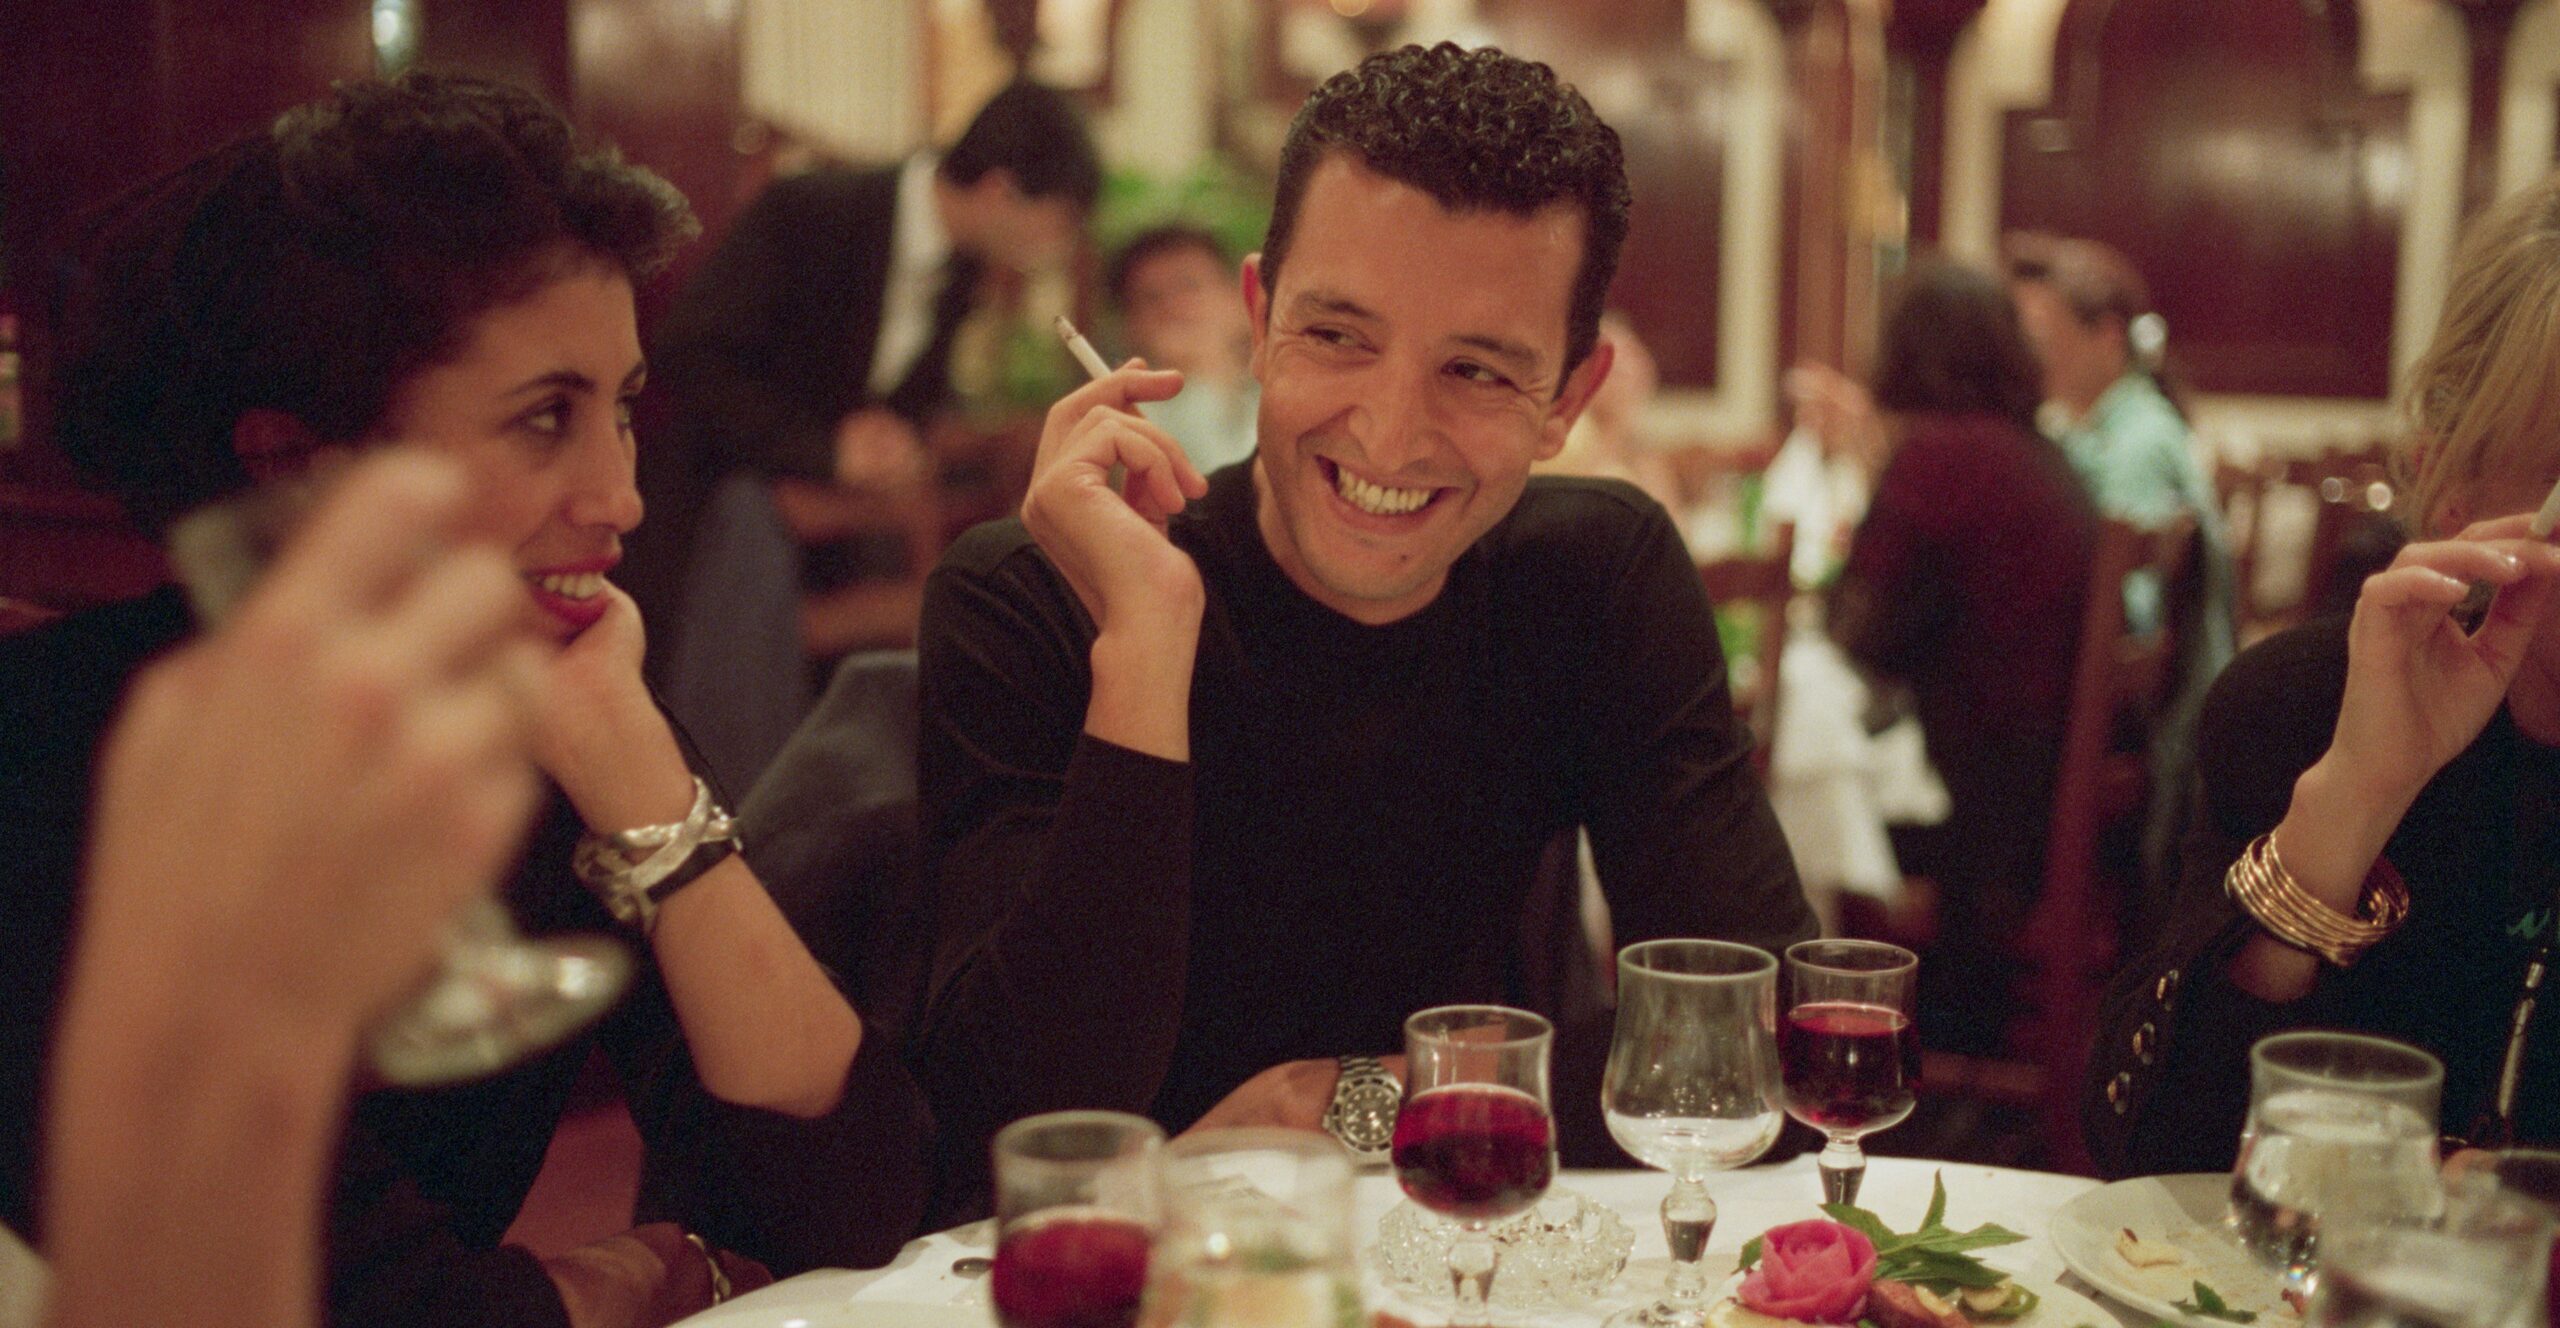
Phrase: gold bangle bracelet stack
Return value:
(2263, 889)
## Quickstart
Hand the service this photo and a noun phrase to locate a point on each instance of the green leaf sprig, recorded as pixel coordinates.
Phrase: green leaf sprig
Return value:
(2209, 1304)
(1933, 1256)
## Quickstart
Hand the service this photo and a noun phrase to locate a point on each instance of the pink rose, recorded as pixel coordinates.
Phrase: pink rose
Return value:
(1816, 1271)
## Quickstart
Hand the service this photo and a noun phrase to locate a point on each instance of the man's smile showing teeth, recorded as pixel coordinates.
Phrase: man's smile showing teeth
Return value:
(575, 585)
(1377, 500)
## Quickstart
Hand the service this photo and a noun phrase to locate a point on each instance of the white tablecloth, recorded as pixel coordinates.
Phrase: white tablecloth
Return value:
(1748, 1202)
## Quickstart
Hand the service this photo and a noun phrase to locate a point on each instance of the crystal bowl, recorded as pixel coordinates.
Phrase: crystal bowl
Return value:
(1561, 1254)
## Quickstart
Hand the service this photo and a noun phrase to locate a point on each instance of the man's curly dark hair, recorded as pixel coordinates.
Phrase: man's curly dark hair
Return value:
(1479, 131)
(313, 267)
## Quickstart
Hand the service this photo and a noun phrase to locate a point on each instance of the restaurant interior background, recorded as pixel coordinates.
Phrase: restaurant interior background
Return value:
(2288, 174)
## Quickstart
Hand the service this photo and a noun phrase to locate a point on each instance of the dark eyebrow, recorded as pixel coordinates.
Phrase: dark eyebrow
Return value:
(570, 380)
(1325, 302)
(558, 380)
(1518, 358)
(1521, 359)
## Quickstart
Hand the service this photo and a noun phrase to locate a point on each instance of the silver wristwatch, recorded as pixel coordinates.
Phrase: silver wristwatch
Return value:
(1363, 1111)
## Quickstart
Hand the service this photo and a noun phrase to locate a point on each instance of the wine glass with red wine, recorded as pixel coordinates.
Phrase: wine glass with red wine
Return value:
(1849, 1056)
(1475, 1141)
(1079, 1196)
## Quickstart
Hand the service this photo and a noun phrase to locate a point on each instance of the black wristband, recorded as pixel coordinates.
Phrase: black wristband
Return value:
(709, 855)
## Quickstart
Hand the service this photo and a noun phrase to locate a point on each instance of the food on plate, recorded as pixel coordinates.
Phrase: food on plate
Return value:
(1851, 1268)
(2208, 1303)
(1811, 1272)
(1902, 1305)
(2142, 1253)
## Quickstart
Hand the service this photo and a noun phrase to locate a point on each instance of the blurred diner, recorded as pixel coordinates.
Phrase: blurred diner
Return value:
(1964, 584)
(803, 365)
(1179, 303)
(2113, 400)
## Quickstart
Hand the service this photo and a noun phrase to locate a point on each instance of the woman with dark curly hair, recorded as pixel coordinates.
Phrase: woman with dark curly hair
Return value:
(444, 264)
(1965, 582)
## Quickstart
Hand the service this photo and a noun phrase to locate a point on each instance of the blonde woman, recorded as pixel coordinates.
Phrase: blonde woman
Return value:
(2378, 846)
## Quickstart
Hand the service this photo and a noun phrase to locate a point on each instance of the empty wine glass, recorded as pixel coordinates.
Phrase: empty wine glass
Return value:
(495, 997)
(1475, 1141)
(1851, 1057)
(1079, 1197)
(1692, 1087)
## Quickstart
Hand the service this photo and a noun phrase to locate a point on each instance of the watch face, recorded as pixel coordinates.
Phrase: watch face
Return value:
(1369, 1114)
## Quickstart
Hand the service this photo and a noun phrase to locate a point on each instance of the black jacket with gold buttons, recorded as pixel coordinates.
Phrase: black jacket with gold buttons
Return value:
(2169, 1077)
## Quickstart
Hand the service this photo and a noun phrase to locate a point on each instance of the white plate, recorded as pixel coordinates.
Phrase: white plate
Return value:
(858, 1314)
(2184, 1212)
(2057, 1306)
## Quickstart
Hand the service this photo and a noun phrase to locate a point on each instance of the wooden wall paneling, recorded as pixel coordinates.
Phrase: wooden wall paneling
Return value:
(661, 79)
(1821, 143)
(1667, 102)
(69, 550)
(2529, 124)
(1671, 272)
(1920, 37)
(94, 99)
(2488, 24)
(2226, 147)
(523, 42)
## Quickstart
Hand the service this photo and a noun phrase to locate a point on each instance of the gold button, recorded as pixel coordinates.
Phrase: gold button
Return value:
(2146, 1040)
(2119, 1089)
(2166, 987)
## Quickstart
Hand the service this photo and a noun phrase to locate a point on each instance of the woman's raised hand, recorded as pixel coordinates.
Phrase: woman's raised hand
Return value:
(603, 738)
(2419, 690)
(2419, 687)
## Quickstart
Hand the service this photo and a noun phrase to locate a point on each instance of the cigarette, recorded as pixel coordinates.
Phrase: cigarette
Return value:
(2548, 516)
(1084, 353)
(2544, 519)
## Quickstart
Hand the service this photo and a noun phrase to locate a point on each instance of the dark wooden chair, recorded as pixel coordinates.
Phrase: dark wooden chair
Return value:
(2121, 683)
(2352, 534)
(2070, 943)
(1764, 585)
(2240, 494)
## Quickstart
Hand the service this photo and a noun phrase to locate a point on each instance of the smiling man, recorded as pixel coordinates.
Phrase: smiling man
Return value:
(1223, 778)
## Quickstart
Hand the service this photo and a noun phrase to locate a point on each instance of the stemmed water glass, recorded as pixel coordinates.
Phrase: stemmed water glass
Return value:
(1851, 1058)
(1079, 1198)
(1475, 1140)
(1692, 1087)
(496, 997)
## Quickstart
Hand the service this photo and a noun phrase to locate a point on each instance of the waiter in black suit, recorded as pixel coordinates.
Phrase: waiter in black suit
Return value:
(815, 342)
